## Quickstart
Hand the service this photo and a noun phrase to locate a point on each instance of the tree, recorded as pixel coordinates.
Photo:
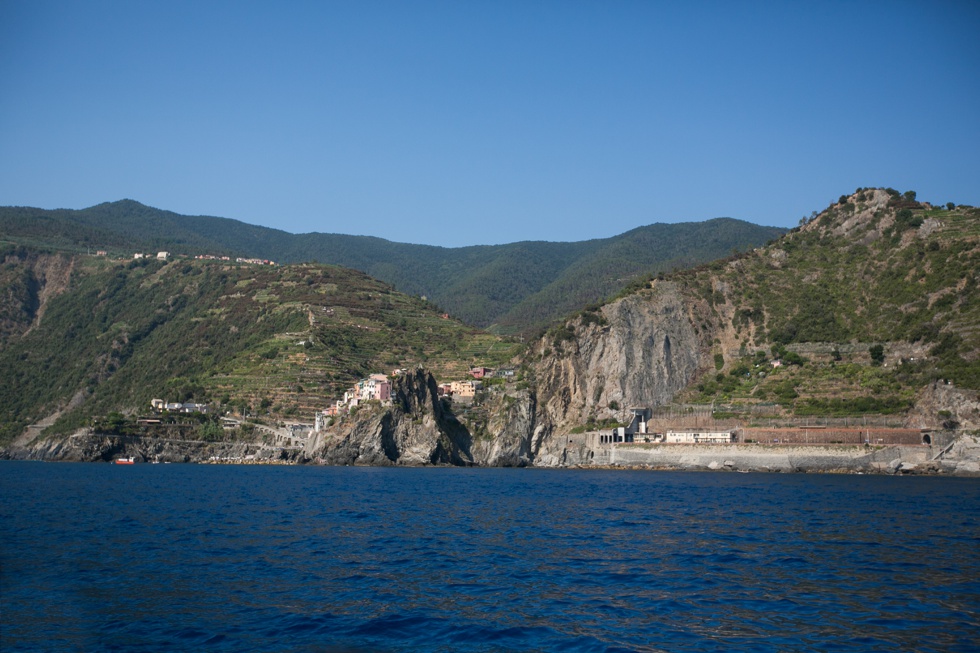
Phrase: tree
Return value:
(877, 353)
(210, 431)
(950, 206)
(905, 219)
(909, 195)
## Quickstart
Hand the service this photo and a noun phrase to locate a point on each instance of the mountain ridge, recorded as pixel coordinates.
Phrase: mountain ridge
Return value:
(512, 288)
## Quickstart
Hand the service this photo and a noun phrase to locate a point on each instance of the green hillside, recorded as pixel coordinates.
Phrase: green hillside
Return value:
(510, 288)
(865, 303)
(89, 335)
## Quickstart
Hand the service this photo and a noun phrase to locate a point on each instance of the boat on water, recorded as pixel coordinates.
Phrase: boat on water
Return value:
(125, 461)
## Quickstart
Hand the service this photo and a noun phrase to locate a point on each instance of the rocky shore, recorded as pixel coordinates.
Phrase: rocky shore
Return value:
(960, 458)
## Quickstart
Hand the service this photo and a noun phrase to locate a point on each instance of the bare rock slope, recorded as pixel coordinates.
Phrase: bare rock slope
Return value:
(640, 350)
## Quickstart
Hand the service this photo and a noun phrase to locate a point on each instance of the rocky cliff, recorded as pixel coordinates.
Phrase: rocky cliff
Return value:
(512, 437)
(638, 351)
(419, 428)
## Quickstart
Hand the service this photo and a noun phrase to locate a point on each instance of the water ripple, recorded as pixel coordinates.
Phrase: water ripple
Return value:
(347, 560)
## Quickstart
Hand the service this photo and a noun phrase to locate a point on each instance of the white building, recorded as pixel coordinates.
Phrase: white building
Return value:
(699, 437)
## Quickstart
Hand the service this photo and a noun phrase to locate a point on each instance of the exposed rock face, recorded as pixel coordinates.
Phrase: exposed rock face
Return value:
(512, 422)
(942, 402)
(646, 351)
(415, 430)
(963, 456)
(88, 446)
(39, 277)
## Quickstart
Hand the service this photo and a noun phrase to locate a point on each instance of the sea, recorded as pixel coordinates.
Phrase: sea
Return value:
(99, 557)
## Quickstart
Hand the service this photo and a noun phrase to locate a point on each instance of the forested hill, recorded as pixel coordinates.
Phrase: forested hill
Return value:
(510, 288)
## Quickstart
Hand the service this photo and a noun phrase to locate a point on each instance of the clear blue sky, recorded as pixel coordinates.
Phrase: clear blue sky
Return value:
(458, 123)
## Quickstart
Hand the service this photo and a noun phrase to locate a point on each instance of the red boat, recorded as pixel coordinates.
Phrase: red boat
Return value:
(125, 461)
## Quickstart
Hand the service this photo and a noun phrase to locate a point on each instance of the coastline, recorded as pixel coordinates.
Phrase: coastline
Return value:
(961, 457)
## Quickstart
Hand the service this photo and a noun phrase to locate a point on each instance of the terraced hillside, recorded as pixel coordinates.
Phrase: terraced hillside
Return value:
(86, 335)
(864, 304)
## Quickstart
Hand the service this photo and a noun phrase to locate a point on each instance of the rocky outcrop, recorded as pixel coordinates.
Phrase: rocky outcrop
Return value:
(943, 403)
(508, 441)
(86, 445)
(415, 430)
(962, 456)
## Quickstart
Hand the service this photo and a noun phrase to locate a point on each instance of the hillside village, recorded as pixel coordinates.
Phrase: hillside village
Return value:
(377, 388)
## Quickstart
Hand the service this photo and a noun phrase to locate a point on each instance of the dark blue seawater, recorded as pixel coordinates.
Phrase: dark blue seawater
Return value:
(185, 557)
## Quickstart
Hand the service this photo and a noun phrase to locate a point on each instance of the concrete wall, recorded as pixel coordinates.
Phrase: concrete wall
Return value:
(757, 457)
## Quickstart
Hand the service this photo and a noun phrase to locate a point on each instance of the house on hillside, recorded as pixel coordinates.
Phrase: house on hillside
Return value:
(480, 372)
(464, 389)
(376, 387)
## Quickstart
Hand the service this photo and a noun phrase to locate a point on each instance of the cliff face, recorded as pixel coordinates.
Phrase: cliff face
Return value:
(509, 440)
(640, 351)
(415, 430)
(87, 445)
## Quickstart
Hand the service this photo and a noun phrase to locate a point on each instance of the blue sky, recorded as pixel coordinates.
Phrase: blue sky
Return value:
(460, 123)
